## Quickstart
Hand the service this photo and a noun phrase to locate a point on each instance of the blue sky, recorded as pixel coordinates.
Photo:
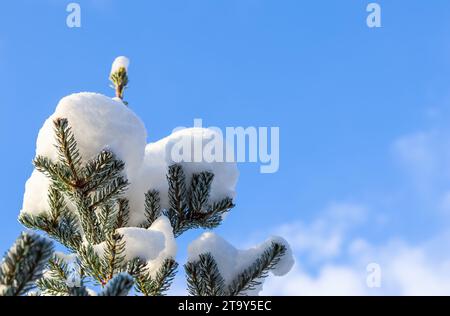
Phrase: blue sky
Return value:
(363, 113)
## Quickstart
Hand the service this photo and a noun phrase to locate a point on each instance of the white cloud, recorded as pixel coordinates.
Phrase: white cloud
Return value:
(332, 280)
(341, 256)
(405, 270)
(425, 157)
(405, 273)
(340, 268)
(323, 238)
(417, 153)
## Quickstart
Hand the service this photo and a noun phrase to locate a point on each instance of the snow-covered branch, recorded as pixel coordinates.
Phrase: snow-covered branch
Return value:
(117, 204)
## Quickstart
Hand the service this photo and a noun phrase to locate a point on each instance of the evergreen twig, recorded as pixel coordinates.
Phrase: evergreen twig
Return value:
(159, 283)
(204, 278)
(152, 207)
(23, 264)
(120, 81)
(54, 282)
(189, 209)
(253, 275)
(120, 285)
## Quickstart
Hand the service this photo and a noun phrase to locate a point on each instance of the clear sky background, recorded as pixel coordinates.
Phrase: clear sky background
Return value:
(364, 117)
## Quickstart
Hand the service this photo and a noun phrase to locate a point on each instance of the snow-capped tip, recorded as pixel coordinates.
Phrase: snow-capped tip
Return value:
(232, 261)
(120, 62)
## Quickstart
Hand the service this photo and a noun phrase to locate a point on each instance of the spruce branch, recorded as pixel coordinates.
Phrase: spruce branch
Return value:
(58, 269)
(214, 214)
(159, 283)
(54, 281)
(209, 219)
(135, 267)
(111, 191)
(106, 218)
(57, 205)
(95, 190)
(177, 197)
(68, 233)
(88, 218)
(210, 276)
(65, 231)
(91, 264)
(143, 282)
(100, 212)
(199, 191)
(189, 209)
(59, 174)
(59, 223)
(98, 184)
(204, 278)
(113, 257)
(123, 213)
(152, 208)
(164, 277)
(99, 171)
(194, 285)
(68, 152)
(252, 276)
(23, 264)
(112, 217)
(120, 285)
(52, 287)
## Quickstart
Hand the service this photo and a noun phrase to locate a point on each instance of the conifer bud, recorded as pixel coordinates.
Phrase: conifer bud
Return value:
(119, 75)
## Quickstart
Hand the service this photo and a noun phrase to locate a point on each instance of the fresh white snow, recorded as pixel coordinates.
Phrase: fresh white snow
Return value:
(35, 199)
(98, 123)
(120, 62)
(145, 244)
(68, 258)
(152, 245)
(162, 224)
(160, 155)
